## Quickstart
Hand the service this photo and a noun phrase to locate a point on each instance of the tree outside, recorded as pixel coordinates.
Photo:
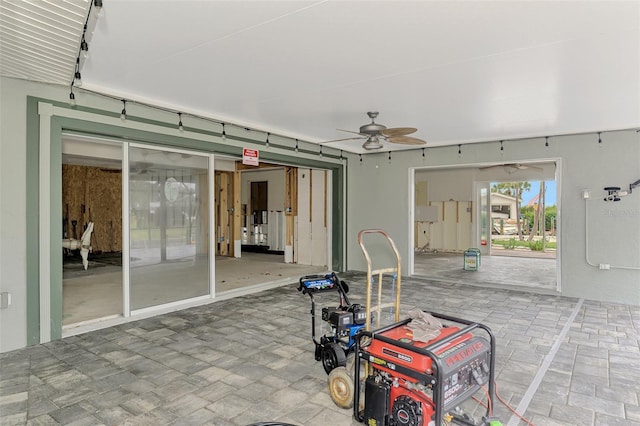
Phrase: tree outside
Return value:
(536, 219)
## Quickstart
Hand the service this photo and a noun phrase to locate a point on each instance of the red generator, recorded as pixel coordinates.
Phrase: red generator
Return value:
(412, 383)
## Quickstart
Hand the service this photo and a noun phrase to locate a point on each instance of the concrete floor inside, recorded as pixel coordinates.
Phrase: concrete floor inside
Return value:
(506, 269)
(96, 293)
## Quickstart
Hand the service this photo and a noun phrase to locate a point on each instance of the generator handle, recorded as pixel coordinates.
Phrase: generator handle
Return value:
(356, 377)
(492, 344)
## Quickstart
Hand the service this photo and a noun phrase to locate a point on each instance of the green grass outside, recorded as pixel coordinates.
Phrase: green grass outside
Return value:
(513, 243)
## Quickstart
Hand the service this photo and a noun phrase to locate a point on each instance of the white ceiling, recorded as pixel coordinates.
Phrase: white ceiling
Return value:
(460, 72)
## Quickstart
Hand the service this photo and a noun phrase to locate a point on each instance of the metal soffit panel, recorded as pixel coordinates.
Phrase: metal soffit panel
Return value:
(39, 40)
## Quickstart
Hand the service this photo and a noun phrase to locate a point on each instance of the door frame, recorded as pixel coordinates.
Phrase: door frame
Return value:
(47, 119)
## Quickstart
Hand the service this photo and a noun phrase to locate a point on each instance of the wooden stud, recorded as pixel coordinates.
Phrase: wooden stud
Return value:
(237, 211)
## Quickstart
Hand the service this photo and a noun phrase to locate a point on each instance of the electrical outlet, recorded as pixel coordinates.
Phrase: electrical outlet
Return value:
(604, 266)
(5, 299)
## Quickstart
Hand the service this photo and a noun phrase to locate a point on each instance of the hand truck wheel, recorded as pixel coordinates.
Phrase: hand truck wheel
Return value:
(333, 356)
(341, 387)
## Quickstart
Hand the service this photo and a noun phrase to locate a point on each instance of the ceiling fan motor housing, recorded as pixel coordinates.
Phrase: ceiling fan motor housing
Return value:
(372, 128)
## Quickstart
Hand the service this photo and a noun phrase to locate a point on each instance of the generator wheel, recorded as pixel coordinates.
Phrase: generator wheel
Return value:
(333, 356)
(341, 387)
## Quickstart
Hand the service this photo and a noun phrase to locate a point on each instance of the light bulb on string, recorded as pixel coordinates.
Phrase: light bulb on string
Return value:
(321, 151)
(77, 77)
(266, 143)
(296, 145)
(180, 126)
(84, 46)
(72, 97)
(389, 157)
(98, 5)
(423, 154)
(459, 150)
(341, 157)
(360, 159)
(546, 143)
(599, 139)
(123, 114)
(224, 133)
(501, 148)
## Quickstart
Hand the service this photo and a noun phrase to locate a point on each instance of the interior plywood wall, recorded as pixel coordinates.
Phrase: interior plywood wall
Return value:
(99, 190)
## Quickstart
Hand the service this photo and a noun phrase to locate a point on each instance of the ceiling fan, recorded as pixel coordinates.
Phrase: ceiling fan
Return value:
(513, 167)
(374, 134)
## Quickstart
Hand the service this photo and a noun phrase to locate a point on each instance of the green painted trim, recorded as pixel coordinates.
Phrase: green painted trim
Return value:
(55, 188)
(59, 125)
(32, 234)
(337, 235)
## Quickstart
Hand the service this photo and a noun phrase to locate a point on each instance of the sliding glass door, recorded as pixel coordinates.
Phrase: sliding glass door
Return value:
(169, 253)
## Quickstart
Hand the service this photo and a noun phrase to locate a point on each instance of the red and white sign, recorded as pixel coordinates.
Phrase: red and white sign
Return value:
(250, 157)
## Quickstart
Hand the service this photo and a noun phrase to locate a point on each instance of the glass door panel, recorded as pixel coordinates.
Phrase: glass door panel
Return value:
(169, 227)
(91, 230)
(484, 217)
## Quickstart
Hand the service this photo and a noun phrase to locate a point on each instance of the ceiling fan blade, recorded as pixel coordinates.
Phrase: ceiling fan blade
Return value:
(340, 140)
(399, 131)
(355, 133)
(406, 140)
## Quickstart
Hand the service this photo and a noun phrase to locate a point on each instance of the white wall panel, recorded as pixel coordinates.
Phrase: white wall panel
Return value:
(318, 219)
(303, 249)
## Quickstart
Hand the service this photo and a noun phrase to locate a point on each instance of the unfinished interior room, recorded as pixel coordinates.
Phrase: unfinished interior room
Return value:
(319, 213)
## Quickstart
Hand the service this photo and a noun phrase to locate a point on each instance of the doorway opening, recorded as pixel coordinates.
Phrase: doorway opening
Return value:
(458, 209)
(92, 280)
(523, 219)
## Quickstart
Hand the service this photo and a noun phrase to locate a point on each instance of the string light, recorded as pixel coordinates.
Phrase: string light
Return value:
(84, 46)
(180, 126)
(320, 150)
(266, 143)
(72, 97)
(123, 114)
(389, 157)
(77, 77)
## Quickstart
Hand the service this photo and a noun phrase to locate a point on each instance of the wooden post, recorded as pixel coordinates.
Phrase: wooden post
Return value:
(291, 210)
(237, 214)
(223, 213)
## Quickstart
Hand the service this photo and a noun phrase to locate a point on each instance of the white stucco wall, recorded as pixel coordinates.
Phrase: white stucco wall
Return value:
(13, 106)
(614, 228)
